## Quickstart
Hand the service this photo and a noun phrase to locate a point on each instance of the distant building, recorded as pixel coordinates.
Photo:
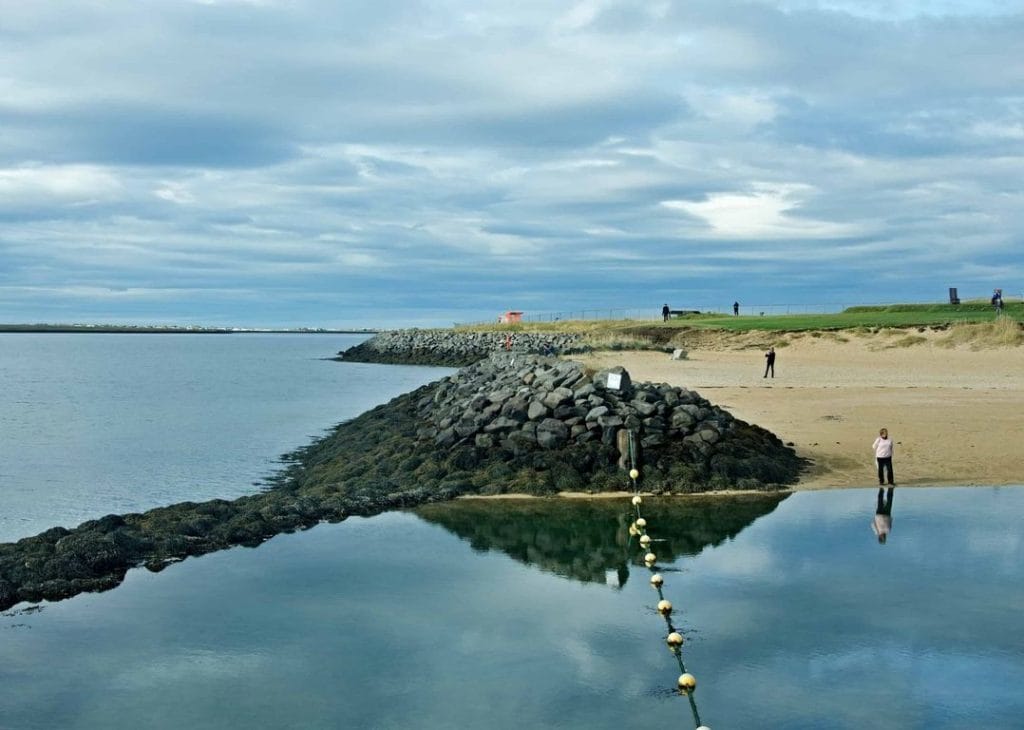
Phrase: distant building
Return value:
(508, 317)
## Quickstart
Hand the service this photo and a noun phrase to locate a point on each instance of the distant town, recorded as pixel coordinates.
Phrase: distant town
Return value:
(175, 329)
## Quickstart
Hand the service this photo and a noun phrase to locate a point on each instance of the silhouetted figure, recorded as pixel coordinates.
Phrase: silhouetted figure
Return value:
(735, 309)
(883, 455)
(665, 311)
(882, 524)
(769, 364)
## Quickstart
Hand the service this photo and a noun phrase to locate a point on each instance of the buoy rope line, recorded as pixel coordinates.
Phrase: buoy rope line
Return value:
(687, 683)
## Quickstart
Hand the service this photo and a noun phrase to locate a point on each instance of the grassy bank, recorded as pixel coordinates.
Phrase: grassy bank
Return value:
(895, 316)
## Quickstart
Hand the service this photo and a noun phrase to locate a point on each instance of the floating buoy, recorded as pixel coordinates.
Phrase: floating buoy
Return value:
(657, 580)
(675, 640)
(636, 500)
(664, 607)
(645, 540)
(641, 522)
(687, 682)
(634, 474)
(650, 558)
(633, 531)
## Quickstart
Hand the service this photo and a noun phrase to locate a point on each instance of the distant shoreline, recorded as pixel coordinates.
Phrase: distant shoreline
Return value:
(145, 330)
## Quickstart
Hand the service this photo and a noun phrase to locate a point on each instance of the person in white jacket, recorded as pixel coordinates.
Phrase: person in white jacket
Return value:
(883, 455)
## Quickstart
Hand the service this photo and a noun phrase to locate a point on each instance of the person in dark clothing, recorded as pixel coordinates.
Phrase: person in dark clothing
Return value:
(665, 311)
(769, 362)
(735, 309)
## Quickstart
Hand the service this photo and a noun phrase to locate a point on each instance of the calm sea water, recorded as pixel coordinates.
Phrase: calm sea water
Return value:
(477, 614)
(97, 423)
(463, 620)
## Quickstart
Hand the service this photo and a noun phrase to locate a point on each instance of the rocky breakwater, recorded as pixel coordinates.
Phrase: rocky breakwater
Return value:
(510, 423)
(455, 349)
(542, 424)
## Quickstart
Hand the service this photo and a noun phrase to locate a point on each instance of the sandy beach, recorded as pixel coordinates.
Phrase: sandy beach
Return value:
(955, 413)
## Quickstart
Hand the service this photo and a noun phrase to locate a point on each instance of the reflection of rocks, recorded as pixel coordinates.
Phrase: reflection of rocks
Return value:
(587, 539)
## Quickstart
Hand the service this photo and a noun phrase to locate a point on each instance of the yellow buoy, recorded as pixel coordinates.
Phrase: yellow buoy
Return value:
(645, 540)
(664, 607)
(633, 531)
(657, 580)
(675, 640)
(641, 522)
(687, 682)
(637, 500)
(650, 558)
(634, 474)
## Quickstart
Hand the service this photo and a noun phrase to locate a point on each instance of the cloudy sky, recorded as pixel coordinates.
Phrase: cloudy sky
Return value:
(417, 162)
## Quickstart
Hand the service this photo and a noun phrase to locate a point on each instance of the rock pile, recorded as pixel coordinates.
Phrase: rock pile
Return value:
(456, 349)
(520, 408)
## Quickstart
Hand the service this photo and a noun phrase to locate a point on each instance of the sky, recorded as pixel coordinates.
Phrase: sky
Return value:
(295, 163)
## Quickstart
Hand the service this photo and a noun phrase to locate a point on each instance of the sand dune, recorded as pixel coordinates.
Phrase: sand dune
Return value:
(957, 415)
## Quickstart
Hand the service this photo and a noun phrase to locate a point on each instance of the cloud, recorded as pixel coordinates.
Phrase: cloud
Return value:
(765, 213)
(363, 164)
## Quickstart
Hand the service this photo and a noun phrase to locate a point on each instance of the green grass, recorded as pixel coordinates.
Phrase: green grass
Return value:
(895, 315)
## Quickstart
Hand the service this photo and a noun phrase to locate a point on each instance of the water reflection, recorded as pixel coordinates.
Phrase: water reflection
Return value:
(882, 524)
(588, 540)
(598, 540)
(686, 683)
(800, 621)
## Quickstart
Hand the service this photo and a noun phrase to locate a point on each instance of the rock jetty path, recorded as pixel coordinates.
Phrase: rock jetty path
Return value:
(511, 422)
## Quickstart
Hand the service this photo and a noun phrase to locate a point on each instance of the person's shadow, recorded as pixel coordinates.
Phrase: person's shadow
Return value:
(882, 524)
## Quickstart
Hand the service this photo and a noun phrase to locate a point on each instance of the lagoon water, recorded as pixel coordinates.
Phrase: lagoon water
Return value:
(97, 423)
(504, 614)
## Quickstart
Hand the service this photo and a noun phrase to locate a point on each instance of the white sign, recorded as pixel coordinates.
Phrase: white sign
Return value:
(614, 381)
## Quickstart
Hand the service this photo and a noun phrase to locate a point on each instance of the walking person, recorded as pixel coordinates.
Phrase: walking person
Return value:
(883, 455)
(769, 362)
(882, 523)
(665, 311)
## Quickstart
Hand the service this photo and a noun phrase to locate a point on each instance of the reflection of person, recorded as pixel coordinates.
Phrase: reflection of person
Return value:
(883, 455)
(769, 362)
(665, 311)
(882, 524)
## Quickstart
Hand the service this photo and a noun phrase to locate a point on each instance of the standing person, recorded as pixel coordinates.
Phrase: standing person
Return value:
(997, 300)
(665, 311)
(769, 362)
(883, 455)
(882, 524)
(735, 309)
